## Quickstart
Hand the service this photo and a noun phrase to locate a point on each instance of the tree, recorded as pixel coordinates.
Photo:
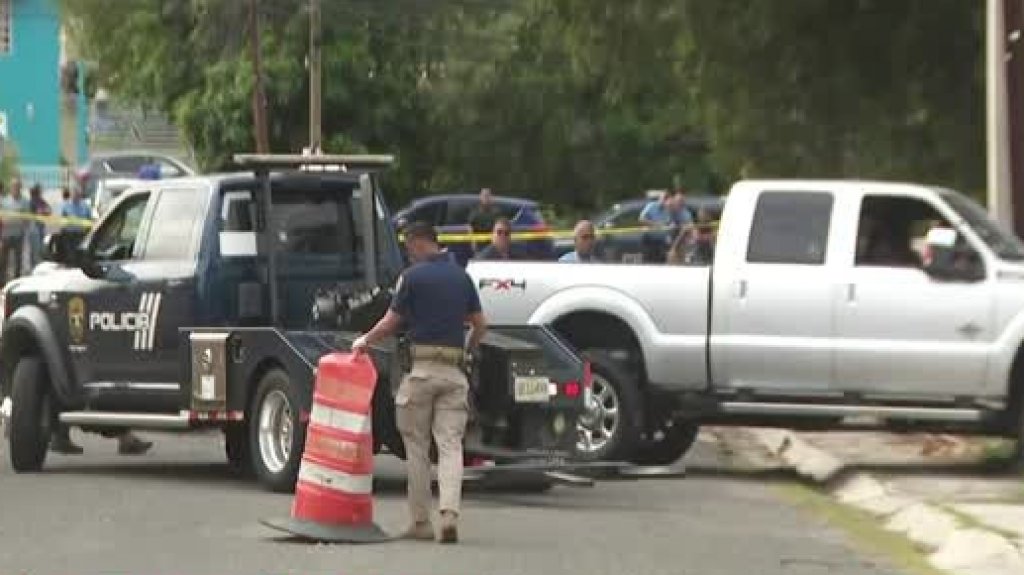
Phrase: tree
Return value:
(573, 101)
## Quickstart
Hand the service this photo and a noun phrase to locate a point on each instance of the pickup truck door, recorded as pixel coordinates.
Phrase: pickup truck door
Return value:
(900, 331)
(107, 299)
(166, 276)
(773, 295)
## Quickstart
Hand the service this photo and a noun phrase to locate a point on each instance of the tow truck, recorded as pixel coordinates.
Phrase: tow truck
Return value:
(207, 301)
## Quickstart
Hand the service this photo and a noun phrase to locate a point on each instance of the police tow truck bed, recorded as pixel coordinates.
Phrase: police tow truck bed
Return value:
(208, 301)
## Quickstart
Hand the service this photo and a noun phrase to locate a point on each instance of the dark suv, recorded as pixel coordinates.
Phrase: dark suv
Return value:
(450, 215)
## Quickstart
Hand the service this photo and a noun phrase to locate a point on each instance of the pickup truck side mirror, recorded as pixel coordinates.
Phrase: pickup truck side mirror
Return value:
(62, 247)
(949, 259)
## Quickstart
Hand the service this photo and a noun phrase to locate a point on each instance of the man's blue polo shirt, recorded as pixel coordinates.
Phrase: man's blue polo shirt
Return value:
(434, 297)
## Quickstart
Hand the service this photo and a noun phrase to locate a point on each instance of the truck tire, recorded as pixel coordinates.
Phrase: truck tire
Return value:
(610, 426)
(670, 447)
(237, 449)
(276, 434)
(30, 415)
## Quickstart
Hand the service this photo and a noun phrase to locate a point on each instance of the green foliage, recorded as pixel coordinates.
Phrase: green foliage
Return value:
(8, 162)
(576, 102)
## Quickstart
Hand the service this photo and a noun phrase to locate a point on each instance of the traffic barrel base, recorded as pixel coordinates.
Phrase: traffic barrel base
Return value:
(325, 533)
(334, 493)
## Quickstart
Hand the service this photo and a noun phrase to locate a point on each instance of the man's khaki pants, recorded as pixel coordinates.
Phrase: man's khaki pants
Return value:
(433, 397)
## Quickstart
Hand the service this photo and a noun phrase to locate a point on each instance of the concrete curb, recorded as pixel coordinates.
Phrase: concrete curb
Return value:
(950, 545)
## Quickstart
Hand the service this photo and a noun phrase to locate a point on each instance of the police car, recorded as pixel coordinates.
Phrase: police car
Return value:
(208, 301)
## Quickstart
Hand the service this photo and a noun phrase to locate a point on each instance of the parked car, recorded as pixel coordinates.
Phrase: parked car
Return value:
(449, 213)
(898, 304)
(107, 191)
(619, 236)
(126, 165)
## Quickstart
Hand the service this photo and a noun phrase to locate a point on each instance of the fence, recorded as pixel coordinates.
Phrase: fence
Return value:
(49, 177)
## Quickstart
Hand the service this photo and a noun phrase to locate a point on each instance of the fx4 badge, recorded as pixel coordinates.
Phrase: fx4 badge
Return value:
(502, 284)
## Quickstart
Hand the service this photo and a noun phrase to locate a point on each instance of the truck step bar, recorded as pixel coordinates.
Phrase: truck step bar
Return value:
(180, 420)
(957, 414)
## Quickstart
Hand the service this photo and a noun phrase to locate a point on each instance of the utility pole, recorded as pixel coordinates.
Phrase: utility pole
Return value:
(315, 97)
(1014, 63)
(1000, 204)
(259, 97)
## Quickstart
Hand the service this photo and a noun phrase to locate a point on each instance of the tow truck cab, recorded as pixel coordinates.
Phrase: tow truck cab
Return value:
(209, 301)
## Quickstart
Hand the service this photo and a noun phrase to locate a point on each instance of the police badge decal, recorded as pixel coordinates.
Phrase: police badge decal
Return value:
(76, 320)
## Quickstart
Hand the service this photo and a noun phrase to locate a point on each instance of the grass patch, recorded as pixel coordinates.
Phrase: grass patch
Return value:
(865, 530)
(968, 521)
(998, 452)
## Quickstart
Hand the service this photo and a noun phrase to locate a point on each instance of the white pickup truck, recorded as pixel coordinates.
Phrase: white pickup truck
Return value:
(827, 303)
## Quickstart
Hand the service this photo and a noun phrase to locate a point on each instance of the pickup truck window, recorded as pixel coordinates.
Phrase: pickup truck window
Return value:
(790, 228)
(313, 223)
(173, 229)
(1004, 243)
(115, 240)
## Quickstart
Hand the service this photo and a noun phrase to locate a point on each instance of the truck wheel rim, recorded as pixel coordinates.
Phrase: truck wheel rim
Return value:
(600, 420)
(275, 432)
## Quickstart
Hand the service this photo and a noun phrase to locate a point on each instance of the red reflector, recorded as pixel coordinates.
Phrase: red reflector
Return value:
(572, 389)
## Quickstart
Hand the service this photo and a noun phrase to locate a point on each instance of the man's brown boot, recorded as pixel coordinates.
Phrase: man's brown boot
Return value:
(449, 527)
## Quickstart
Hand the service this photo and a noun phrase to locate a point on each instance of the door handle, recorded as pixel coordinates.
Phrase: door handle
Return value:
(851, 292)
(742, 289)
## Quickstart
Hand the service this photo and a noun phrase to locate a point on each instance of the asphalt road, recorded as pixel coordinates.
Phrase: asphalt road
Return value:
(178, 510)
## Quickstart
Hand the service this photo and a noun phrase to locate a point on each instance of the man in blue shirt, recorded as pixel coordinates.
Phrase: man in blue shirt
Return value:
(584, 237)
(78, 210)
(668, 211)
(434, 299)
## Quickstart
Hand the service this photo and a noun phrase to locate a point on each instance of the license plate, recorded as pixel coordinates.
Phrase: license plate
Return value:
(531, 389)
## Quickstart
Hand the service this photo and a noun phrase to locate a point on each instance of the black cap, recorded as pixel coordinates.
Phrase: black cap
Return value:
(421, 231)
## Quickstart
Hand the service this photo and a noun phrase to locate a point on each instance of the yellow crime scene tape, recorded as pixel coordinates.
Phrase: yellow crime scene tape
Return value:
(448, 238)
(463, 237)
(61, 220)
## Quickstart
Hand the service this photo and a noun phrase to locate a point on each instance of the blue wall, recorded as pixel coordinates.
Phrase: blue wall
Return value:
(30, 77)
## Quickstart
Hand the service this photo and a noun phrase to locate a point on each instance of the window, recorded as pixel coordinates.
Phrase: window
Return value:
(625, 218)
(790, 228)
(173, 231)
(6, 19)
(169, 170)
(892, 232)
(431, 213)
(238, 212)
(313, 223)
(126, 164)
(1002, 241)
(458, 212)
(115, 240)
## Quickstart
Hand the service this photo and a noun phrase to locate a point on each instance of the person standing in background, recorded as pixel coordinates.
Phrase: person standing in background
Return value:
(483, 217)
(14, 207)
(36, 228)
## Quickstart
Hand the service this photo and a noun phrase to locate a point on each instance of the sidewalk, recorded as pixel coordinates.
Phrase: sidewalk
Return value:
(947, 494)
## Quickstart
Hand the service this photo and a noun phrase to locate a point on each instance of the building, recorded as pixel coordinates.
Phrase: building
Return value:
(30, 97)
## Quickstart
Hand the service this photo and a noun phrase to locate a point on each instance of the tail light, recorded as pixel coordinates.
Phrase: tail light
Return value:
(572, 389)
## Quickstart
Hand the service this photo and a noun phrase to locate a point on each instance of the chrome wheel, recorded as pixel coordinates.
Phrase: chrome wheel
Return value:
(275, 431)
(600, 419)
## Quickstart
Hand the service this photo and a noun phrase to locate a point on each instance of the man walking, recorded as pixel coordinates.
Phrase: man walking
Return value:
(434, 299)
